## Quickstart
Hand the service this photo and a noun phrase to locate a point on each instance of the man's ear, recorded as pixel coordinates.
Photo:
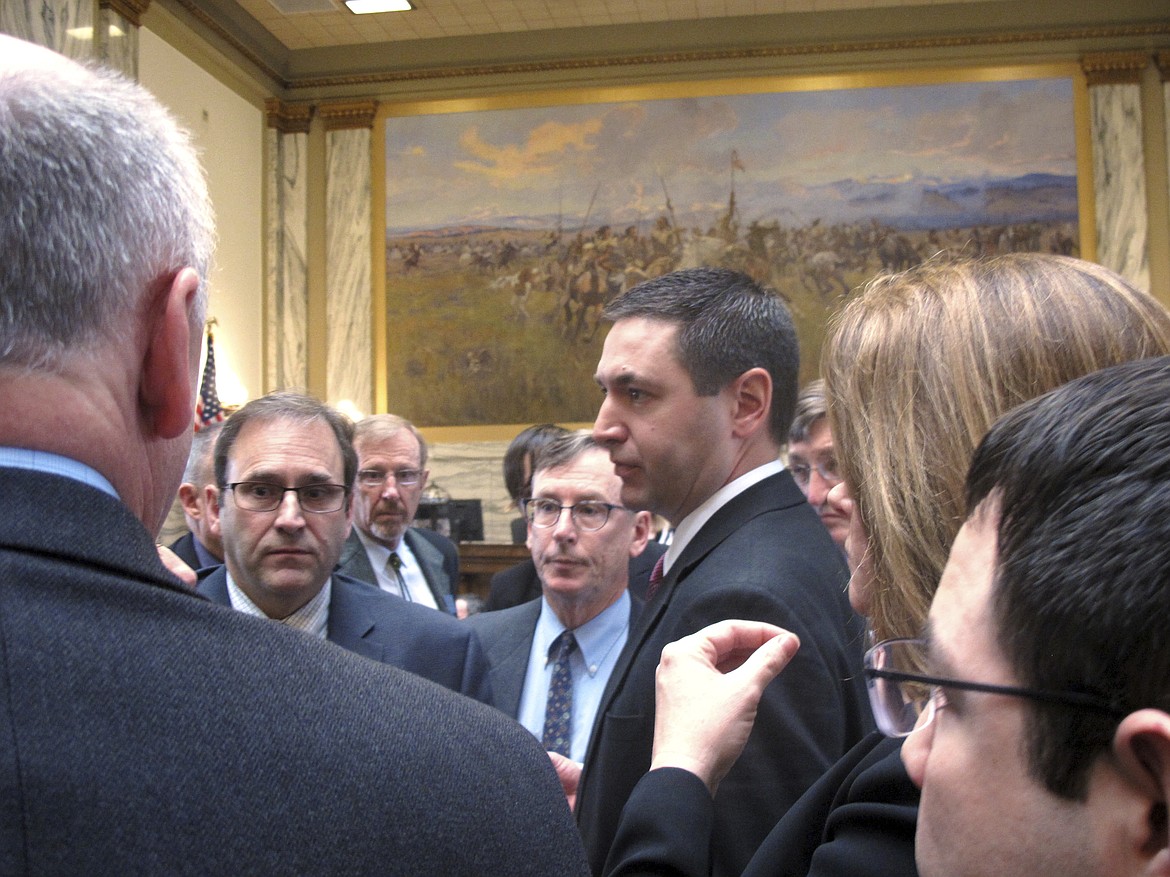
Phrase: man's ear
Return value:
(189, 500)
(211, 495)
(752, 397)
(643, 527)
(1141, 746)
(167, 385)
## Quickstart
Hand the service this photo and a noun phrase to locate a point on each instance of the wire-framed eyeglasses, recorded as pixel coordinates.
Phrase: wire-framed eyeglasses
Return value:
(377, 477)
(827, 469)
(263, 496)
(903, 698)
(588, 515)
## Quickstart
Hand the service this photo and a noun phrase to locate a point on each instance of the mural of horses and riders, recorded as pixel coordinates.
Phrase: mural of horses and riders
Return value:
(507, 229)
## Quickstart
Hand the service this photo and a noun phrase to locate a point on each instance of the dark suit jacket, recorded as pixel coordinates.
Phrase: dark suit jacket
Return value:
(764, 556)
(184, 546)
(145, 730)
(365, 619)
(507, 640)
(436, 555)
(857, 821)
(520, 583)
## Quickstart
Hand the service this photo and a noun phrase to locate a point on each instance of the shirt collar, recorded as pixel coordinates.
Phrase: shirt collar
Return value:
(693, 523)
(55, 464)
(595, 638)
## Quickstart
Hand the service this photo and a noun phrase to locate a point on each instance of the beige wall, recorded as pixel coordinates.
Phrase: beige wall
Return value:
(229, 133)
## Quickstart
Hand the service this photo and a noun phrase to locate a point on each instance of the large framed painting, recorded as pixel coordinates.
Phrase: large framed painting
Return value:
(510, 222)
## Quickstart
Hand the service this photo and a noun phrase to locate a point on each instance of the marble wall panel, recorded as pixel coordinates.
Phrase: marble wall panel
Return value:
(286, 274)
(1119, 181)
(48, 22)
(348, 305)
(474, 470)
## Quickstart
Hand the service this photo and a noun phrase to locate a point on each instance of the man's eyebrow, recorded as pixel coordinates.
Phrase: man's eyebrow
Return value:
(937, 661)
(273, 477)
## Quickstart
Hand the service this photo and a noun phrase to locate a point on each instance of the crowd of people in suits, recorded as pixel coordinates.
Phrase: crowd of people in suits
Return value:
(931, 641)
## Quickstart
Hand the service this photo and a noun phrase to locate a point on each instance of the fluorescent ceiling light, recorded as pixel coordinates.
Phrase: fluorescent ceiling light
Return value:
(86, 33)
(365, 7)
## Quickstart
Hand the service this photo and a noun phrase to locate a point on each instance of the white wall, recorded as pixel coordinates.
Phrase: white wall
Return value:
(229, 133)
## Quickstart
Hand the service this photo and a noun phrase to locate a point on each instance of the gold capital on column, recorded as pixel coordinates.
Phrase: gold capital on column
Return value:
(349, 114)
(131, 10)
(1162, 59)
(1114, 68)
(287, 118)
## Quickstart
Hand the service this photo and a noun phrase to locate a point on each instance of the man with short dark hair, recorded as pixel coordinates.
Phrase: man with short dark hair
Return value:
(146, 730)
(414, 563)
(699, 373)
(582, 539)
(1043, 747)
(283, 507)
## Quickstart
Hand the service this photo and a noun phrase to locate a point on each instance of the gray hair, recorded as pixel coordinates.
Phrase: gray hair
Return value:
(381, 426)
(104, 202)
(810, 407)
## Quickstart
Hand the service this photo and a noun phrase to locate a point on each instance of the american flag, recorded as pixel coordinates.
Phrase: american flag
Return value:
(207, 409)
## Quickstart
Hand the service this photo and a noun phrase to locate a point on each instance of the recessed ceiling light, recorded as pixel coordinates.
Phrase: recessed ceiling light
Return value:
(365, 7)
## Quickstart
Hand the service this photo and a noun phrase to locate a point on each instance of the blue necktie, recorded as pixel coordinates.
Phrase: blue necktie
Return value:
(558, 712)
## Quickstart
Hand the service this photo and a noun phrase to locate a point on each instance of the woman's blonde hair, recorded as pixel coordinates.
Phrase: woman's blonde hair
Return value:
(920, 364)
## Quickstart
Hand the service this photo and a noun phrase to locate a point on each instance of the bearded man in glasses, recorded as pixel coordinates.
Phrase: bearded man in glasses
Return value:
(416, 564)
(582, 541)
(284, 468)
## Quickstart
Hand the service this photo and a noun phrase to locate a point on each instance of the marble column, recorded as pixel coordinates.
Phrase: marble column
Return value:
(286, 286)
(84, 30)
(349, 333)
(1119, 178)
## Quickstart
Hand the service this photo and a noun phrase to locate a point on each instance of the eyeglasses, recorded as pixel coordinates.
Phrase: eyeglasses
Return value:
(802, 472)
(903, 698)
(261, 496)
(589, 515)
(376, 477)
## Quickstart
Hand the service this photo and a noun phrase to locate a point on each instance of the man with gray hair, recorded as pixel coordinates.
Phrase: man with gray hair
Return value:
(811, 458)
(199, 547)
(144, 729)
(416, 564)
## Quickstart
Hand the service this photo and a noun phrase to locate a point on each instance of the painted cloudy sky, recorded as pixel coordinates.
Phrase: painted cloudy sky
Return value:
(804, 154)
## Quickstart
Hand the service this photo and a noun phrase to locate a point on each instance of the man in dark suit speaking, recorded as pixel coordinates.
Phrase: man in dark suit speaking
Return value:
(143, 729)
(282, 507)
(699, 373)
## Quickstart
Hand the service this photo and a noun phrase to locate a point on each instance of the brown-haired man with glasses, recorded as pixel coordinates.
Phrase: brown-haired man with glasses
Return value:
(416, 564)
(283, 505)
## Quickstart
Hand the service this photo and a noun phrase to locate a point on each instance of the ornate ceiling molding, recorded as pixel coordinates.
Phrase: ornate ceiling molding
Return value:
(131, 10)
(342, 115)
(1115, 68)
(287, 118)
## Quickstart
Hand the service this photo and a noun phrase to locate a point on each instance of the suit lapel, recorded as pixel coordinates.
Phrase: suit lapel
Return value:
(430, 560)
(350, 622)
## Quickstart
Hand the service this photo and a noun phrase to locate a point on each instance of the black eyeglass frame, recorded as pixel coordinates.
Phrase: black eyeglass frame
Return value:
(530, 513)
(1075, 699)
(297, 490)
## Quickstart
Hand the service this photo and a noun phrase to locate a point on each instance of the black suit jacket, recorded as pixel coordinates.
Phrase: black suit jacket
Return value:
(145, 730)
(506, 636)
(764, 556)
(857, 821)
(365, 619)
(436, 555)
(184, 547)
(520, 583)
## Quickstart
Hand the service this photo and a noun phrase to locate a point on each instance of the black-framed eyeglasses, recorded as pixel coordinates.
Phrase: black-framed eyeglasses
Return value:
(263, 496)
(377, 477)
(802, 472)
(588, 515)
(903, 698)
